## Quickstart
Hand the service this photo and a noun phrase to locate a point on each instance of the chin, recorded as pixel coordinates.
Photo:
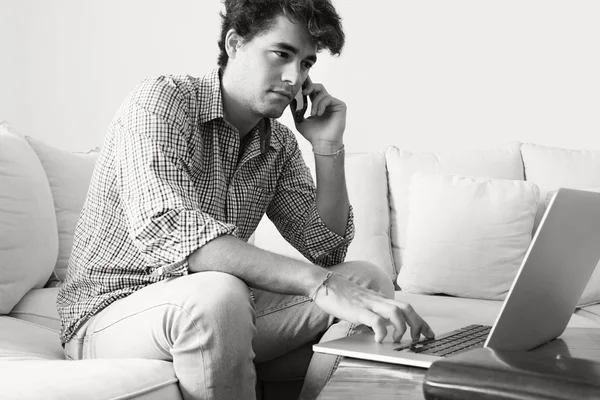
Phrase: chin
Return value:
(272, 112)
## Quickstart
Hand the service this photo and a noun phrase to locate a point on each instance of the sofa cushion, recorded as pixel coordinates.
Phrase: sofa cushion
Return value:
(28, 233)
(89, 380)
(500, 163)
(591, 312)
(367, 189)
(479, 310)
(34, 351)
(466, 236)
(24, 340)
(38, 306)
(551, 168)
(591, 293)
(472, 311)
(69, 175)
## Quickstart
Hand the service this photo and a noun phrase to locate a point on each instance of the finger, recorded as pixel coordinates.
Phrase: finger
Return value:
(417, 325)
(307, 86)
(428, 332)
(376, 323)
(397, 320)
(323, 104)
(407, 315)
(392, 313)
(316, 101)
(313, 90)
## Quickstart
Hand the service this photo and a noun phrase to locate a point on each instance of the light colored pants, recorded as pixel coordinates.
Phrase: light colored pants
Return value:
(210, 328)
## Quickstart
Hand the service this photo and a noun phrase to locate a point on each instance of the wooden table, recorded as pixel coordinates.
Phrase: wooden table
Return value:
(361, 379)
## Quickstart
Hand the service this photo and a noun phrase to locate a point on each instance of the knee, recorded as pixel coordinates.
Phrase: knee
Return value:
(226, 297)
(216, 299)
(368, 275)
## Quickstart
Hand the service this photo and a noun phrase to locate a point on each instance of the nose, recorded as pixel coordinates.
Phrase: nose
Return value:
(292, 74)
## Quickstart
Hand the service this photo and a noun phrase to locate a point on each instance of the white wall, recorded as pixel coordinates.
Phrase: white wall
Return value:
(420, 74)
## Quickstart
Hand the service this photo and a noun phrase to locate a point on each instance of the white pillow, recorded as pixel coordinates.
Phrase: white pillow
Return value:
(69, 175)
(553, 167)
(28, 233)
(591, 293)
(367, 189)
(498, 163)
(466, 236)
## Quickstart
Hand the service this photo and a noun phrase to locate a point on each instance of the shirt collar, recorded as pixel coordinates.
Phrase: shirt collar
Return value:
(212, 108)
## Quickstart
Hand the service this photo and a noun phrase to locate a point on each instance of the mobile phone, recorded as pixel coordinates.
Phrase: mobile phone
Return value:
(299, 104)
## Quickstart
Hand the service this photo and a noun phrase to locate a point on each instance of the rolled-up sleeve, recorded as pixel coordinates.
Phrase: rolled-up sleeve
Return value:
(161, 206)
(294, 212)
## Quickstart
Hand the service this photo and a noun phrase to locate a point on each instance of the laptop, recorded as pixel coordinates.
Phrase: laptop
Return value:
(550, 281)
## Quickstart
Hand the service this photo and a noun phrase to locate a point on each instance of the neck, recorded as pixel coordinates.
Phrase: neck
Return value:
(233, 109)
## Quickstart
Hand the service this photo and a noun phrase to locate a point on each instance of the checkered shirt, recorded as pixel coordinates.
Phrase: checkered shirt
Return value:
(168, 180)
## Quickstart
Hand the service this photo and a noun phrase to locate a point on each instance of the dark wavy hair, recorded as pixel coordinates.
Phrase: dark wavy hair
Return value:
(252, 17)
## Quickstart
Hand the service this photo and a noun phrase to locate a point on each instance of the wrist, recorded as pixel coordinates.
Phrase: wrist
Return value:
(327, 147)
(314, 281)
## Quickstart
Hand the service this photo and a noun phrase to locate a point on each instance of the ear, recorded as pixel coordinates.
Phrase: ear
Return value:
(233, 42)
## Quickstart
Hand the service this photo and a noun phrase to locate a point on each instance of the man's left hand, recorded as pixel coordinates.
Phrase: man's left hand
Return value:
(325, 126)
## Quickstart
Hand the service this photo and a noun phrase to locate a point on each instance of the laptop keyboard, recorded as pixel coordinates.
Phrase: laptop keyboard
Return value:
(457, 341)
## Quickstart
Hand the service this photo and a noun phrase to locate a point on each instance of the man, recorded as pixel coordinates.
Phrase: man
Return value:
(160, 266)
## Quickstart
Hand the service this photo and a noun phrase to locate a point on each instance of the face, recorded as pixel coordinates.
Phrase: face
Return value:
(269, 70)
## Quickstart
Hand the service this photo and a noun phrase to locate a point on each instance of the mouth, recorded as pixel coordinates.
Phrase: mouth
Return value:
(283, 94)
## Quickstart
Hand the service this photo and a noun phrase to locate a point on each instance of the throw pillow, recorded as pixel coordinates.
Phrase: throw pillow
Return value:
(498, 163)
(591, 293)
(466, 236)
(69, 175)
(28, 233)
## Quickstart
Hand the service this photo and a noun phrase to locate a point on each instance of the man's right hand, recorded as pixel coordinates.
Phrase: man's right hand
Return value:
(347, 301)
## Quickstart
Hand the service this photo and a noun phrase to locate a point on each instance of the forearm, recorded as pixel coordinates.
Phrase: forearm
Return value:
(332, 196)
(258, 268)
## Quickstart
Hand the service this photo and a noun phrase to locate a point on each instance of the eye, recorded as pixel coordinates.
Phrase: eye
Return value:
(282, 54)
(307, 65)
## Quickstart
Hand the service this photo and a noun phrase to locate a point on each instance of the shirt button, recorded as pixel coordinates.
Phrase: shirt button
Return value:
(230, 150)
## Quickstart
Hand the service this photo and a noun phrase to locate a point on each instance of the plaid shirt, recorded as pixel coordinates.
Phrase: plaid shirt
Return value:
(168, 180)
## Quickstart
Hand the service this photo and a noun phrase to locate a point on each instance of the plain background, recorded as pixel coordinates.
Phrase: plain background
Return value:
(421, 74)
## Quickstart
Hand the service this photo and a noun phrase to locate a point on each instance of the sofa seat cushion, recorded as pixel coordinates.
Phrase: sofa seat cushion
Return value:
(590, 312)
(24, 340)
(479, 310)
(463, 311)
(89, 379)
(34, 351)
(39, 306)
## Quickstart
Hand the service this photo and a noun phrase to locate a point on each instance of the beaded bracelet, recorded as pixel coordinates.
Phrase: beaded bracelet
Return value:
(324, 283)
(335, 154)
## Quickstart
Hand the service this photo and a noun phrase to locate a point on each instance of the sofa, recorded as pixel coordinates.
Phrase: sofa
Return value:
(450, 229)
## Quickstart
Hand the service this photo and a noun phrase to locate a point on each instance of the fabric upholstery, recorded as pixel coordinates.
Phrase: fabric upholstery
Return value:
(28, 232)
(591, 312)
(39, 307)
(499, 163)
(69, 176)
(90, 380)
(553, 167)
(466, 236)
